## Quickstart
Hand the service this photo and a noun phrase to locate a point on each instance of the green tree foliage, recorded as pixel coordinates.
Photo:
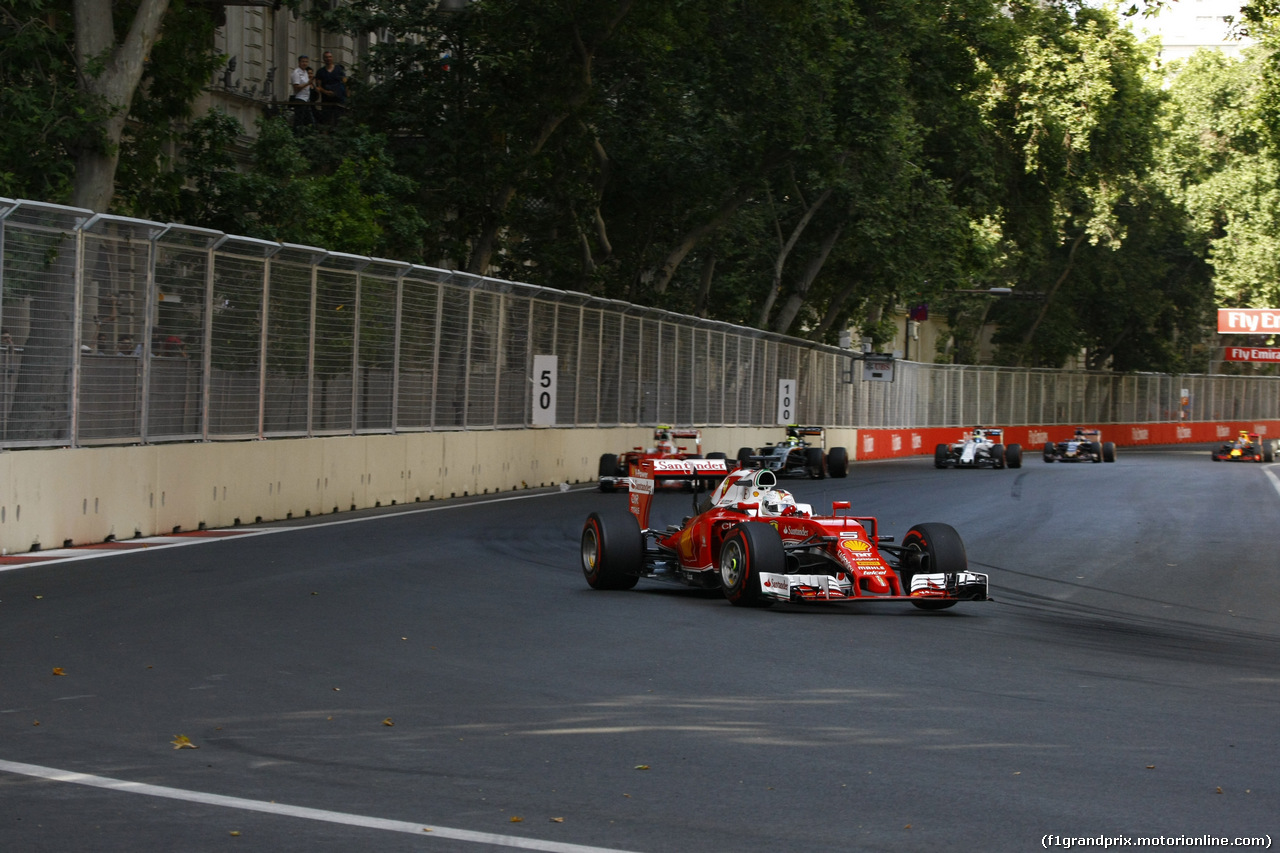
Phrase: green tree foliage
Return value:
(68, 111)
(44, 116)
(1219, 163)
(336, 191)
(801, 167)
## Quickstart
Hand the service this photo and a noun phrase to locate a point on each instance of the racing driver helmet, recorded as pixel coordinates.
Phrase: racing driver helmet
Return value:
(777, 502)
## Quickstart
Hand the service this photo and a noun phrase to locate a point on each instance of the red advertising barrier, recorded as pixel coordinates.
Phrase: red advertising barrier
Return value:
(892, 443)
(1271, 354)
(1248, 321)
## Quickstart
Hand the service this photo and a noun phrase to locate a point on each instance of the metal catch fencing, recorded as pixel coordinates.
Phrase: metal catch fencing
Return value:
(119, 330)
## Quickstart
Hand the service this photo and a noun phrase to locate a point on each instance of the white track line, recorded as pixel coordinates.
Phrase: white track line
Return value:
(418, 829)
(1271, 474)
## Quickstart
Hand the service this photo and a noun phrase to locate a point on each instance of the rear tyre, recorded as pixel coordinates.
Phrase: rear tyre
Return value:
(1108, 451)
(1268, 452)
(744, 456)
(838, 462)
(1049, 454)
(1013, 455)
(997, 455)
(748, 550)
(940, 454)
(930, 549)
(813, 465)
(612, 549)
(608, 468)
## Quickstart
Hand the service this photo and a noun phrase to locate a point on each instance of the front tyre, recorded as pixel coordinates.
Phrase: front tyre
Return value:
(997, 455)
(608, 468)
(1108, 451)
(931, 548)
(1050, 452)
(940, 454)
(813, 463)
(1013, 455)
(748, 550)
(612, 549)
(838, 462)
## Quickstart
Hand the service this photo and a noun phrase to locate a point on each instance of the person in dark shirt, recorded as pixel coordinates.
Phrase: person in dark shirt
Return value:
(331, 83)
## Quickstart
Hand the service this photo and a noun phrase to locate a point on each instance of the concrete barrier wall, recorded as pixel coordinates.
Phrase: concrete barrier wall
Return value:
(52, 498)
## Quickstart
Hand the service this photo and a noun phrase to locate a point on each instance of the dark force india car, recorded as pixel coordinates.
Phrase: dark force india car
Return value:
(1247, 447)
(797, 456)
(615, 468)
(983, 447)
(754, 542)
(1085, 445)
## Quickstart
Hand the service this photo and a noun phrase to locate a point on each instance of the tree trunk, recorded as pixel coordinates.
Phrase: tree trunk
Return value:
(667, 270)
(796, 300)
(486, 243)
(115, 83)
(780, 261)
(1044, 307)
(704, 292)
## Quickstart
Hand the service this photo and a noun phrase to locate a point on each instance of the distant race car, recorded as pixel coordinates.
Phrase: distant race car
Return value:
(1085, 445)
(759, 546)
(983, 447)
(1247, 447)
(796, 456)
(614, 468)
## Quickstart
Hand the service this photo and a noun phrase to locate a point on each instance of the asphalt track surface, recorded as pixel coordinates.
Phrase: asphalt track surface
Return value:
(354, 680)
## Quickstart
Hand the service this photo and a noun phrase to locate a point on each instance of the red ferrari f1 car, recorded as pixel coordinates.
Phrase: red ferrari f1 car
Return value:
(616, 467)
(756, 543)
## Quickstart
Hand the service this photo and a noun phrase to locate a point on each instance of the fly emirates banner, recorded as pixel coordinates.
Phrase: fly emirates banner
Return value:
(1248, 321)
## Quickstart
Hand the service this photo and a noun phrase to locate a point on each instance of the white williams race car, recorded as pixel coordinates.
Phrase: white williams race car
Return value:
(982, 448)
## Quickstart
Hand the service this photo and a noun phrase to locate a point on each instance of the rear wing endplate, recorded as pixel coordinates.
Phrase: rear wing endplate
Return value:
(641, 487)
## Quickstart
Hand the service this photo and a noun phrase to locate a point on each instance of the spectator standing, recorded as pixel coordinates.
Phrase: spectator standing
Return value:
(302, 87)
(331, 83)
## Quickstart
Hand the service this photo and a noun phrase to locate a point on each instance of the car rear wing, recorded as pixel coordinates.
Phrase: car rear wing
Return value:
(695, 434)
(804, 430)
(641, 487)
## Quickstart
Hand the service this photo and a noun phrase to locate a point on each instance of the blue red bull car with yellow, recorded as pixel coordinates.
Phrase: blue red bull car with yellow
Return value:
(1247, 447)
(760, 546)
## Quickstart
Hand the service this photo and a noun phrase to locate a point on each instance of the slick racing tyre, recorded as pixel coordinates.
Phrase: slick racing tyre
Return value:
(838, 462)
(608, 468)
(709, 483)
(997, 456)
(1108, 451)
(744, 457)
(813, 463)
(749, 549)
(612, 549)
(1050, 454)
(1013, 455)
(929, 549)
(940, 454)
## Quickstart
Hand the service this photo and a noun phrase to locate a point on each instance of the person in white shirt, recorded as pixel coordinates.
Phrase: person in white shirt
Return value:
(302, 84)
